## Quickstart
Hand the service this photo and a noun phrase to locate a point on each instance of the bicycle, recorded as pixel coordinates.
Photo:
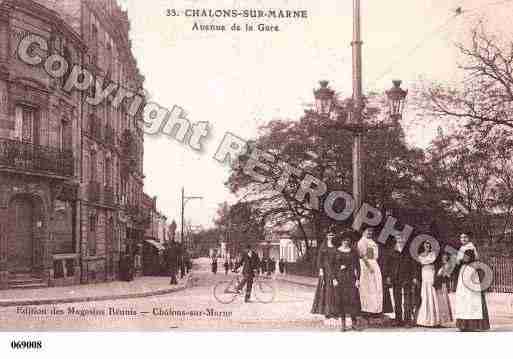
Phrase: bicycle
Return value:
(225, 292)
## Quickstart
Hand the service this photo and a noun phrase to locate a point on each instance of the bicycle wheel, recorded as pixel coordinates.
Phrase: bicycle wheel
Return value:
(224, 292)
(264, 291)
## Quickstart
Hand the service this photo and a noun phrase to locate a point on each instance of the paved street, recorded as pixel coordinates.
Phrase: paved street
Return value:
(192, 309)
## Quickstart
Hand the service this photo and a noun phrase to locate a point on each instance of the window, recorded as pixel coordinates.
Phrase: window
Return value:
(65, 140)
(92, 166)
(93, 223)
(108, 172)
(26, 126)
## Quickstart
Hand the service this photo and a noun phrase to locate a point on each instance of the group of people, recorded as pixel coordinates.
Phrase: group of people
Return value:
(358, 275)
(251, 266)
(266, 266)
(177, 260)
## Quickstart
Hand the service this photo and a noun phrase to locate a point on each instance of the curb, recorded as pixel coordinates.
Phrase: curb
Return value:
(26, 302)
(304, 284)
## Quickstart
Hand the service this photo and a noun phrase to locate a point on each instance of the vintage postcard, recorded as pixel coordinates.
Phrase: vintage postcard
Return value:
(256, 165)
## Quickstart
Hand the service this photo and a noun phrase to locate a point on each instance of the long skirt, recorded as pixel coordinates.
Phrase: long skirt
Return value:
(325, 301)
(428, 314)
(471, 309)
(348, 297)
(371, 287)
(469, 325)
(444, 304)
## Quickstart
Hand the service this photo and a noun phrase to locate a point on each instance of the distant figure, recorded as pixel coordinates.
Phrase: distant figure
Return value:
(226, 267)
(188, 264)
(264, 265)
(214, 265)
(271, 266)
(281, 266)
(182, 262)
(172, 260)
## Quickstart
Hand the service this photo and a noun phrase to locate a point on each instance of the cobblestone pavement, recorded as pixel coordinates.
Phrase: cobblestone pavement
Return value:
(192, 309)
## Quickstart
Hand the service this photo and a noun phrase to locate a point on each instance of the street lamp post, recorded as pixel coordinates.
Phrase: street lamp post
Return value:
(184, 201)
(356, 45)
(326, 106)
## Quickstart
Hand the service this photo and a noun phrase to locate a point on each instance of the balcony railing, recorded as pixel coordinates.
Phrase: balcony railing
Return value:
(42, 159)
(94, 193)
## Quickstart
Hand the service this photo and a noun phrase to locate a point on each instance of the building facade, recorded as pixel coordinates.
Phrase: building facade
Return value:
(71, 180)
(158, 227)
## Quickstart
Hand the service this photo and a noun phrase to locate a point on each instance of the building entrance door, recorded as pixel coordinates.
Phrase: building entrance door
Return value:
(21, 235)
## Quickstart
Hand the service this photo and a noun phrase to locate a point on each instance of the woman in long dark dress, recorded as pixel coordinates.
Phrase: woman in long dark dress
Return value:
(346, 266)
(324, 300)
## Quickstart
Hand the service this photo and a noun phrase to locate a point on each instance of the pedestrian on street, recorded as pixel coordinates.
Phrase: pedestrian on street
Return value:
(182, 260)
(346, 270)
(271, 266)
(281, 266)
(263, 265)
(324, 299)
(125, 270)
(188, 264)
(250, 264)
(226, 267)
(214, 265)
(172, 260)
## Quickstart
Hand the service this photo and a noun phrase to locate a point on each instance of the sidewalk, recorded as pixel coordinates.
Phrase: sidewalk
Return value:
(139, 287)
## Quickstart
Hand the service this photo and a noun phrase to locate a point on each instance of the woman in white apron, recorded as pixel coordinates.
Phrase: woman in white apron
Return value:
(371, 283)
(471, 312)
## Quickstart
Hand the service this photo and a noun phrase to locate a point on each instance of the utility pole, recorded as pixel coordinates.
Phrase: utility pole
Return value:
(184, 201)
(182, 217)
(357, 106)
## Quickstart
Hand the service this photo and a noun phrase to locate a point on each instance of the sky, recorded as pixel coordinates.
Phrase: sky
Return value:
(239, 81)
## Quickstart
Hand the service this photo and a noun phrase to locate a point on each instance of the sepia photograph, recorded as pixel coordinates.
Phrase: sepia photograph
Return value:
(335, 166)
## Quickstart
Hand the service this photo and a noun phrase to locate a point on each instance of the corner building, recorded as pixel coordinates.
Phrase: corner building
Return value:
(71, 178)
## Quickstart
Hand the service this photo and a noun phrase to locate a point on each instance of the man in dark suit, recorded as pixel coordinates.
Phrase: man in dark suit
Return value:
(172, 260)
(281, 266)
(402, 273)
(250, 265)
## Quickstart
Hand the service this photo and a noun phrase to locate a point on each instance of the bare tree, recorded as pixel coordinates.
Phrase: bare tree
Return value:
(484, 98)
